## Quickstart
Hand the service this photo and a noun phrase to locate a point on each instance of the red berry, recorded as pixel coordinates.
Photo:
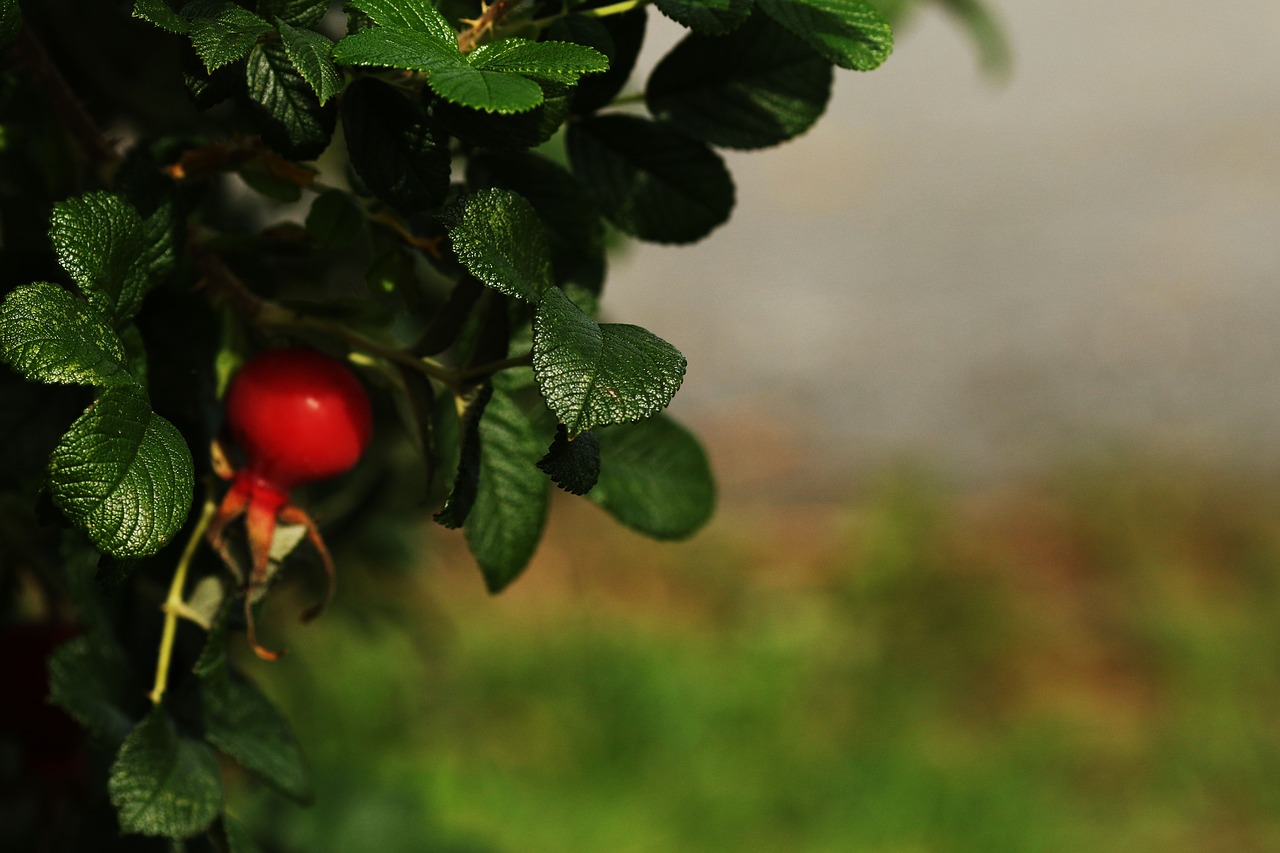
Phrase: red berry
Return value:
(298, 415)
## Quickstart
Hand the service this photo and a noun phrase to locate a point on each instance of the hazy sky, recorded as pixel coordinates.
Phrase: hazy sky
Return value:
(990, 273)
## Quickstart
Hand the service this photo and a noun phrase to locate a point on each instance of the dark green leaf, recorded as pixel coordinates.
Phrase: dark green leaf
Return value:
(569, 215)
(619, 37)
(498, 238)
(420, 15)
(310, 54)
(500, 132)
(10, 22)
(123, 475)
(50, 335)
(709, 17)
(593, 374)
(480, 89)
(753, 88)
(392, 147)
(335, 220)
(289, 114)
(649, 180)
(850, 33)
(297, 13)
(462, 496)
(243, 723)
(986, 31)
(221, 31)
(572, 464)
(158, 13)
(213, 654)
(163, 783)
(547, 61)
(654, 478)
(510, 511)
(86, 679)
(112, 253)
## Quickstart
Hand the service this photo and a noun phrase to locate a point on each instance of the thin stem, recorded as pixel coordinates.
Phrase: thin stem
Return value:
(480, 27)
(481, 370)
(174, 606)
(65, 105)
(613, 9)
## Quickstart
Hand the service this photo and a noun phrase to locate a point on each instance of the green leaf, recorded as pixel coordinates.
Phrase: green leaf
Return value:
(756, 87)
(50, 335)
(113, 254)
(649, 180)
(986, 31)
(569, 215)
(163, 783)
(850, 33)
(709, 17)
(335, 220)
(593, 374)
(310, 54)
(491, 91)
(549, 61)
(396, 47)
(296, 13)
(419, 15)
(573, 464)
(221, 31)
(655, 478)
(510, 511)
(157, 13)
(10, 22)
(243, 723)
(87, 681)
(289, 114)
(393, 148)
(498, 238)
(123, 475)
(619, 37)
(466, 481)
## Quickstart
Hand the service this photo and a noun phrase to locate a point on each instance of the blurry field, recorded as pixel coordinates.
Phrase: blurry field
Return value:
(1083, 663)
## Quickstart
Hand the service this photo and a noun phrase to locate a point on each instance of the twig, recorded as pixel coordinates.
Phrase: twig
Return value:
(174, 606)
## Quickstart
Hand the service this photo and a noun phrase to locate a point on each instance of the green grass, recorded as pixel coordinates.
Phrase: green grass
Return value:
(1086, 664)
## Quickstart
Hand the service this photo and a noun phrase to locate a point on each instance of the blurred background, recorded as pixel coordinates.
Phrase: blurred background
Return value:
(987, 366)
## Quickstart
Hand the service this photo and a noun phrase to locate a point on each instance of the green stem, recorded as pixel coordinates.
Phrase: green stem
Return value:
(482, 370)
(174, 606)
(613, 9)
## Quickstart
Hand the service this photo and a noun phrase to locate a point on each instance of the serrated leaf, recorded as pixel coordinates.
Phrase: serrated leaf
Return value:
(10, 22)
(397, 47)
(593, 374)
(619, 37)
(243, 723)
(850, 33)
(163, 783)
(123, 475)
(222, 32)
(335, 220)
(289, 114)
(756, 87)
(113, 254)
(393, 147)
(655, 478)
(480, 89)
(497, 236)
(649, 180)
(310, 54)
(466, 481)
(297, 13)
(572, 464)
(87, 681)
(550, 61)
(709, 17)
(50, 335)
(510, 510)
(569, 215)
(159, 14)
(419, 15)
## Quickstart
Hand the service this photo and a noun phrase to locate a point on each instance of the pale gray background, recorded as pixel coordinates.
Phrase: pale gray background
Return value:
(991, 276)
